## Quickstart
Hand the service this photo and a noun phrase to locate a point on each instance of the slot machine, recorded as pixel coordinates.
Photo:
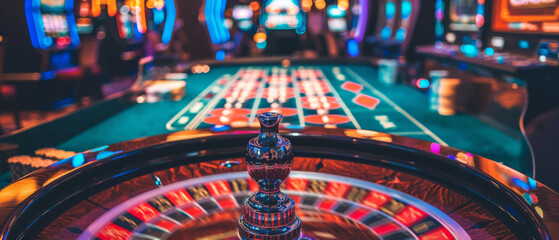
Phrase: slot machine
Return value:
(92, 28)
(282, 21)
(459, 27)
(143, 28)
(44, 58)
(241, 22)
(213, 14)
(131, 29)
(347, 21)
(386, 22)
(160, 21)
(396, 28)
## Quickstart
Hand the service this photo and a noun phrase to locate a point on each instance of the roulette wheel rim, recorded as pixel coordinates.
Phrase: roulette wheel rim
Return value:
(141, 156)
(447, 222)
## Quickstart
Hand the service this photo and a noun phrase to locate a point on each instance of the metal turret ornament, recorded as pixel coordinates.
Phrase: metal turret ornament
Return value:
(269, 214)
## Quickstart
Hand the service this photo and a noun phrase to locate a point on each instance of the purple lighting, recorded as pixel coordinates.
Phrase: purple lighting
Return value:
(435, 148)
(362, 22)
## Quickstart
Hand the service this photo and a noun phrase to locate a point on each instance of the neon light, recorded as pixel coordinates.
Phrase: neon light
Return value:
(225, 31)
(390, 10)
(362, 21)
(95, 8)
(480, 19)
(385, 33)
(220, 55)
(158, 16)
(400, 34)
(439, 15)
(31, 27)
(335, 12)
(406, 9)
(72, 26)
(261, 45)
(523, 44)
(111, 7)
(352, 47)
(220, 128)
(422, 83)
(214, 36)
(78, 160)
(435, 148)
(48, 75)
(489, 51)
(140, 16)
(260, 37)
(99, 148)
(343, 4)
(215, 11)
(533, 183)
(521, 184)
(44, 41)
(245, 25)
(528, 198)
(169, 21)
(469, 50)
(105, 154)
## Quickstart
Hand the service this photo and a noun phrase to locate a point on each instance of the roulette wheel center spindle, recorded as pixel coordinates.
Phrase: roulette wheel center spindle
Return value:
(269, 213)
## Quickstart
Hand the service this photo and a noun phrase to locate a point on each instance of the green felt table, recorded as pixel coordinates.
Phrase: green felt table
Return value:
(396, 109)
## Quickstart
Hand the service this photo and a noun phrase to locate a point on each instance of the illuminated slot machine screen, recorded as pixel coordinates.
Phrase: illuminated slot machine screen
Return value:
(282, 14)
(526, 16)
(463, 15)
(336, 19)
(243, 15)
(55, 22)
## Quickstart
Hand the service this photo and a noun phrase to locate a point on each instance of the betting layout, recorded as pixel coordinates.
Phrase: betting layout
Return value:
(374, 209)
(305, 96)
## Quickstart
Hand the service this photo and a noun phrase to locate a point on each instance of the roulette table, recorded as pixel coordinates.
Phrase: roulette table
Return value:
(346, 184)
(326, 93)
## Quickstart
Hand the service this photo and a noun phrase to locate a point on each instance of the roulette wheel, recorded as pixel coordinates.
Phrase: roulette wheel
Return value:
(343, 184)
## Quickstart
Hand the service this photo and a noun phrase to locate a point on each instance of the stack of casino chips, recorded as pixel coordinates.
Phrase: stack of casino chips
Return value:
(23, 164)
(435, 76)
(165, 89)
(448, 96)
(54, 153)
